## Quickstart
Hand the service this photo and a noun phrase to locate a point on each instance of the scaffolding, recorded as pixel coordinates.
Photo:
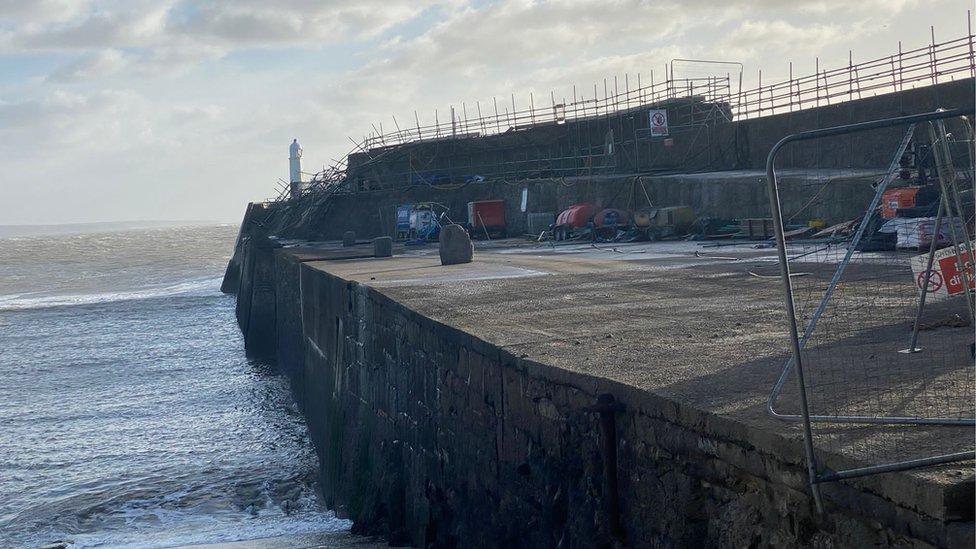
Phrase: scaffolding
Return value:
(604, 130)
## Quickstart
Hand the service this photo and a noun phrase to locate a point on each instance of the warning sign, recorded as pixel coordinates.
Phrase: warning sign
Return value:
(947, 276)
(659, 122)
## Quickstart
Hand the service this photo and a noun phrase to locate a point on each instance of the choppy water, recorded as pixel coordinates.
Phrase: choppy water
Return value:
(129, 414)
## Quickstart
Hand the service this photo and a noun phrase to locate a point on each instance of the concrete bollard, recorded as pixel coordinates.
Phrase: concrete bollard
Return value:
(455, 245)
(382, 246)
(349, 238)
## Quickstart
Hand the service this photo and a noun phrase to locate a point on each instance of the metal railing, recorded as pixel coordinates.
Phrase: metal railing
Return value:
(508, 117)
(867, 381)
(929, 65)
(932, 64)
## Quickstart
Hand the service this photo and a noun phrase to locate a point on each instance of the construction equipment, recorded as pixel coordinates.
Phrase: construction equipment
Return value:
(844, 326)
(572, 219)
(419, 222)
(486, 218)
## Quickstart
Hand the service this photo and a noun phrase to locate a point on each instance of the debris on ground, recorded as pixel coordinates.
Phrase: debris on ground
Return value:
(951, 321)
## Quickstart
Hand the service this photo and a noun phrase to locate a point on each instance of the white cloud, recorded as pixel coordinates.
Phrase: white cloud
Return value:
(263, 23)
(185, 108)
(66, 119)
(127, 24)
(40, 11)
(95, 65)
(752, 37)
(144, 23)
(167, 36)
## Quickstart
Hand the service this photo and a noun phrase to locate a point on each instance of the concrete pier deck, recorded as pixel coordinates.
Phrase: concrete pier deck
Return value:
(697, 331)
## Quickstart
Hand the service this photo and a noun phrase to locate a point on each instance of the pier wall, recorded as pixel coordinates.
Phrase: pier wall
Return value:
(428, 435)
(755, 137)
(701, 138)
(728, 180)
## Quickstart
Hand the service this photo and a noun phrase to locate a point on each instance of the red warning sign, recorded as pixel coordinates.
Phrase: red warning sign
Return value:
(949, 273)
(957, 271)
(659, 122)
(935, 281)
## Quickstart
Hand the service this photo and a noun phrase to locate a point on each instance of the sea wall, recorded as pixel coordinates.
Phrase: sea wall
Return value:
(755, 137)
(727, 183)
(701, 138)
(428, 435)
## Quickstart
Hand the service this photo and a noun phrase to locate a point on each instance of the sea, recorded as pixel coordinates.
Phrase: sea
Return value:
(129, 414)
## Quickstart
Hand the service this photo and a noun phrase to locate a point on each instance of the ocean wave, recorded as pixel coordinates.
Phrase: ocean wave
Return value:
(197, 507)
(177, 530)
(19, 302)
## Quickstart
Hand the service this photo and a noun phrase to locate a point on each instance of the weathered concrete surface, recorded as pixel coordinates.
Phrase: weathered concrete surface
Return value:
(254, 214)
(255, 307)
(445, 401)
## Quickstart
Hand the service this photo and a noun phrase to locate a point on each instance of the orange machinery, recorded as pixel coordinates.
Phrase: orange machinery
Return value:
(895, 199)
(576, 216)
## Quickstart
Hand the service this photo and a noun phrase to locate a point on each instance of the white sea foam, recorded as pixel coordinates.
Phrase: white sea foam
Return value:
(178, 529)
(17, 302)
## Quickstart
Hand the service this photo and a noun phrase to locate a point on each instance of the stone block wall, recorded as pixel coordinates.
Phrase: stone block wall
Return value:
(727, 146)
(428, 435)
(702, 139)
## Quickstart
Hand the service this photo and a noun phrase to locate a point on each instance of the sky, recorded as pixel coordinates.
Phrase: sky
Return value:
(122, 110)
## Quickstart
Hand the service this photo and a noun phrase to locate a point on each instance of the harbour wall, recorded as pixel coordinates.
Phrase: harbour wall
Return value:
(729, 181)
(701, 138)
(430, 436)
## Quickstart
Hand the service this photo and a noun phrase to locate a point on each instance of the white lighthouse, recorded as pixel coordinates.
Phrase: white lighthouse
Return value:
(295, 168)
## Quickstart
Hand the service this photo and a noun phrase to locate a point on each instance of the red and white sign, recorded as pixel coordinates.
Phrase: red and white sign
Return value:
(957, 271)
(947, 277)
(659, 122)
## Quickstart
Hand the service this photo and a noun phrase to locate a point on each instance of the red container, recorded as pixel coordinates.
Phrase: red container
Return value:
(894, 199)
(489, 214)
(577, 215)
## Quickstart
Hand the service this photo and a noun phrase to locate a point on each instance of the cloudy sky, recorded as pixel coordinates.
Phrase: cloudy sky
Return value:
(184, 109)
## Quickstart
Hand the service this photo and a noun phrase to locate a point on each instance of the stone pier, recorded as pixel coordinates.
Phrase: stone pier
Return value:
(458, 405)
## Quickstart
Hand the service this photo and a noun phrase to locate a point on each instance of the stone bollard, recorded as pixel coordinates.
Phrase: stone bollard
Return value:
(349, 238)
(455, 245)
(382, 246)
